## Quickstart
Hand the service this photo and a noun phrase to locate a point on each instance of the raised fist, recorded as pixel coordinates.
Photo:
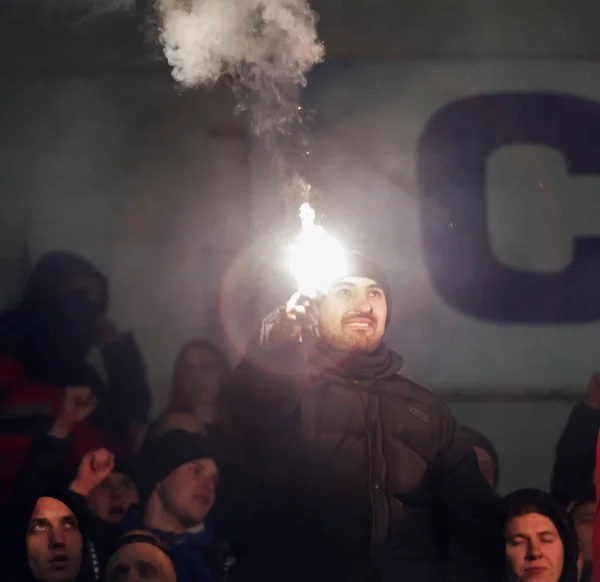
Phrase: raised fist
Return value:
(93, 469)
(300, 314)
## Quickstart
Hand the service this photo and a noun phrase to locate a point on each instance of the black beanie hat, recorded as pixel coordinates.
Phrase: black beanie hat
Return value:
(136, 537)
(535, 501)
(160, 456)
(125, 467)
(360, 266)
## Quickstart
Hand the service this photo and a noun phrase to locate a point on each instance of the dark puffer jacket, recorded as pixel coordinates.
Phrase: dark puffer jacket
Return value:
(357, 466)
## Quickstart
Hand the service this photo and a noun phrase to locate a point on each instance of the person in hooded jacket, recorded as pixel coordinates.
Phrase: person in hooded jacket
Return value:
(50, 395)
(356, 463)
(541, 541)
(48, 541)
(102, 490)
(574, 464)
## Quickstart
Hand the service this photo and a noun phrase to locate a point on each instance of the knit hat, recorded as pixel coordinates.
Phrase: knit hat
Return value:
(137, 537)
(125, 467)
(160, 456)
(535, 501)
(479, 440)
(360, 266)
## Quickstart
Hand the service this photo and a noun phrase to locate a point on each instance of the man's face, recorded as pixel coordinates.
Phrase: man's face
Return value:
(112, 498)
(534, 550)
(486, 465)
(583, 519)
(140, 562)
(54, 543)
(87, 285)
(352, 315)
(189, 491)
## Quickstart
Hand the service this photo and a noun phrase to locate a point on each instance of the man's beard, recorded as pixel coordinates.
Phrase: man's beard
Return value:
(350, 342)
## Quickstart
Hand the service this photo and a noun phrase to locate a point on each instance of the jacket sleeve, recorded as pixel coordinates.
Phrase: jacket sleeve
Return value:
(470, 510)
(262, 391)
(129, 393)
(576, 454)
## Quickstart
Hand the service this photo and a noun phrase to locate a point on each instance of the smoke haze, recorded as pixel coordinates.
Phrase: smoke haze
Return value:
(265, 47)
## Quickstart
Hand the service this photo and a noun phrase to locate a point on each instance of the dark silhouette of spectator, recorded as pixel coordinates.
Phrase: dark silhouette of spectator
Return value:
(139, 556)
(487, 458)
(177, 480)
(582, 510)
(575, 468)
(353, 458)
(48, 542)
(541, 542)
(201, 370)
(575, 460)
(44, 374)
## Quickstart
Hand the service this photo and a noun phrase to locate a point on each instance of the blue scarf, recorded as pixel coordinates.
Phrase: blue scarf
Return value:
(188, 552)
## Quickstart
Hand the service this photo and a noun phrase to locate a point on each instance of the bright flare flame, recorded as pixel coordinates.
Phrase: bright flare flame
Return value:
(317, 260)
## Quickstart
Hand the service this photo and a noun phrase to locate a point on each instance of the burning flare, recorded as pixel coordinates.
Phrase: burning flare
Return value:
(317, 260)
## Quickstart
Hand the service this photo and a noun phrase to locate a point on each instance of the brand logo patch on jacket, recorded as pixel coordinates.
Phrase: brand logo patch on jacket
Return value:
(424, 417)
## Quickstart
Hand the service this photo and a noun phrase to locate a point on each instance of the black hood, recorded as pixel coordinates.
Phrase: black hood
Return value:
(537, 501)
(18, 519)
(52, 331)
(50, 271)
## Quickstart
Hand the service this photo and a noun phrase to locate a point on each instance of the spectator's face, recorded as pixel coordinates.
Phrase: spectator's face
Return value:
(112, 498)
(200, 376)
(534, 550)
(140, 562)
(88, 285)
(189, 491)
(352, 315)
(54, 543)
(583, 519)
(486, 465)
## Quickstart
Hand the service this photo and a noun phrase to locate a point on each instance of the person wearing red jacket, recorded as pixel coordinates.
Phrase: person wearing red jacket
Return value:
(51, 398)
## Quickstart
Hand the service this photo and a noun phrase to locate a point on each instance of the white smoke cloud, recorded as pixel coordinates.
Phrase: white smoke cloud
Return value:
(265, 46)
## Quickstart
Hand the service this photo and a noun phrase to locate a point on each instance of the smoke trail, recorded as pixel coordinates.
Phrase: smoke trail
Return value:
(265, 46)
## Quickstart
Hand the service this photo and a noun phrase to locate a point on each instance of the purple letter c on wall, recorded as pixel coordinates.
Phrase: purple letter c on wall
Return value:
(452, 155)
